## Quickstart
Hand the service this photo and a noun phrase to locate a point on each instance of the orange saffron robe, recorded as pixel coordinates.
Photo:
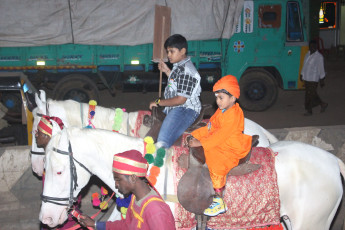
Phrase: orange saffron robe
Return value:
(224, 143)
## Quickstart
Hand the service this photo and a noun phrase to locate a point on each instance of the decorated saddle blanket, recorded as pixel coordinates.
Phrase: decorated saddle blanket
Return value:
(252, 199)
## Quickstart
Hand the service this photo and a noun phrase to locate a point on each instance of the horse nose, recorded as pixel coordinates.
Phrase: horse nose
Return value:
(37, 171)
(48, 221)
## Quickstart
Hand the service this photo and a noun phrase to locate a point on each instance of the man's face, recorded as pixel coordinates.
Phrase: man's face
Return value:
(123, 183)
(41, 139)
(312, 47)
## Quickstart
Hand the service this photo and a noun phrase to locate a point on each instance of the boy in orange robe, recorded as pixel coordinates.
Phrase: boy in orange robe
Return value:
(222, 139)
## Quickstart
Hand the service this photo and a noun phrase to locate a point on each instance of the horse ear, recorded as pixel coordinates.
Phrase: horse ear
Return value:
(30, 101)
(43, 96)
(41, 103)
(64, 140)
(37, 99)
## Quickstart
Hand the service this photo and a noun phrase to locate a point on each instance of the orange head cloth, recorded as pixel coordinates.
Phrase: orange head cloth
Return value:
(129, 163)
(230, 84)
(45, 125)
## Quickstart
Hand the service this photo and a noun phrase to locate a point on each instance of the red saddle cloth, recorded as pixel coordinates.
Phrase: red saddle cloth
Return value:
(252, 200)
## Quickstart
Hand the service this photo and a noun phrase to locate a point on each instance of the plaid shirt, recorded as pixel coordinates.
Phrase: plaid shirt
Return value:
(184, 80)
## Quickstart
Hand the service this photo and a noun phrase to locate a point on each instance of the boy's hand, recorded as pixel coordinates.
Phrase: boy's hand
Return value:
(194, 142)
(163, 67)
(86, 221)
(153, 104)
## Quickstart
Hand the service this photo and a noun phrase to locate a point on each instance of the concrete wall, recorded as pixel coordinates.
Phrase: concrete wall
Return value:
(329, 138)
(19, 190)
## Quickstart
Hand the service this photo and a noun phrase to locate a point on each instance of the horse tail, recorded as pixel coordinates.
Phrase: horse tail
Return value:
(271, 138)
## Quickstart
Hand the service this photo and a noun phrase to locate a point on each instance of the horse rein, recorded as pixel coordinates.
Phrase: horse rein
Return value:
(74, 179)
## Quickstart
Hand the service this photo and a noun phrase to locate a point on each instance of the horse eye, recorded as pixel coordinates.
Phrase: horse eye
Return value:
(59, 173)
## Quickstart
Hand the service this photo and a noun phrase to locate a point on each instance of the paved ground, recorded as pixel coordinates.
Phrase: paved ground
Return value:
(20, 189)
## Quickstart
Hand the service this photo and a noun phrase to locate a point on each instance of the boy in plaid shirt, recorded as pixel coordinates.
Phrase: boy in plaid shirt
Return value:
(181, 95)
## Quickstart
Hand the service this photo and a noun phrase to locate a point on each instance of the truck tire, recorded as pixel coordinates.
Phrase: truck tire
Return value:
(77, 87)
(259, 90)
(12, 100)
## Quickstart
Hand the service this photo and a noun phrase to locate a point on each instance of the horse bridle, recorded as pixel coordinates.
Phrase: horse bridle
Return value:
(73, 183)
(34, 152)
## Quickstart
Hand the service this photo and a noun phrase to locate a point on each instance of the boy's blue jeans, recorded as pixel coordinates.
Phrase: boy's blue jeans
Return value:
(174, 124)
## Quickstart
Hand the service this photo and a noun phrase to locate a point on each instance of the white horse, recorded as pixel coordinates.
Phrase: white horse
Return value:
(75, 114)
(58, 167)
(309, 180)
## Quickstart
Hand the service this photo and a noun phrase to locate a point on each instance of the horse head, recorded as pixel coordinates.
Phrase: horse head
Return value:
(65, 176)
(44, 107)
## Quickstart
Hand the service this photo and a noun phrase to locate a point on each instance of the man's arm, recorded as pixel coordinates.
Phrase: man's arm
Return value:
(86, 221)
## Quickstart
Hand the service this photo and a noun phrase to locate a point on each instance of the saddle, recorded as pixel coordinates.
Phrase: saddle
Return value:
(157, 117)
(195, 189)
(243, 167)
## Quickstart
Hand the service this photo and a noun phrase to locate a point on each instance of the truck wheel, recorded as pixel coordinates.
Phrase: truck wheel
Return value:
(76, 87)
(12, 101)
(259, 90)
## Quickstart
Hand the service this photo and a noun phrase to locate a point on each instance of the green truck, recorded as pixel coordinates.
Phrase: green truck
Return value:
(265, 52)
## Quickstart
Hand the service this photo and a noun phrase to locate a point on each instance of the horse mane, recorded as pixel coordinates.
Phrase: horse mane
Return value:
(104, 142)
(73, 112)
(54, 143)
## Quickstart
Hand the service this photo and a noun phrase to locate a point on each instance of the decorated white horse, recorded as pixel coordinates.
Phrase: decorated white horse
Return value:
(309, 180)
(75, 114)
(76, 170)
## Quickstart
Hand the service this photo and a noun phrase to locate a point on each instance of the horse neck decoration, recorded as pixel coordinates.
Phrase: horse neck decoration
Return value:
(92, 150)
(75, 114)
(307, 177)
